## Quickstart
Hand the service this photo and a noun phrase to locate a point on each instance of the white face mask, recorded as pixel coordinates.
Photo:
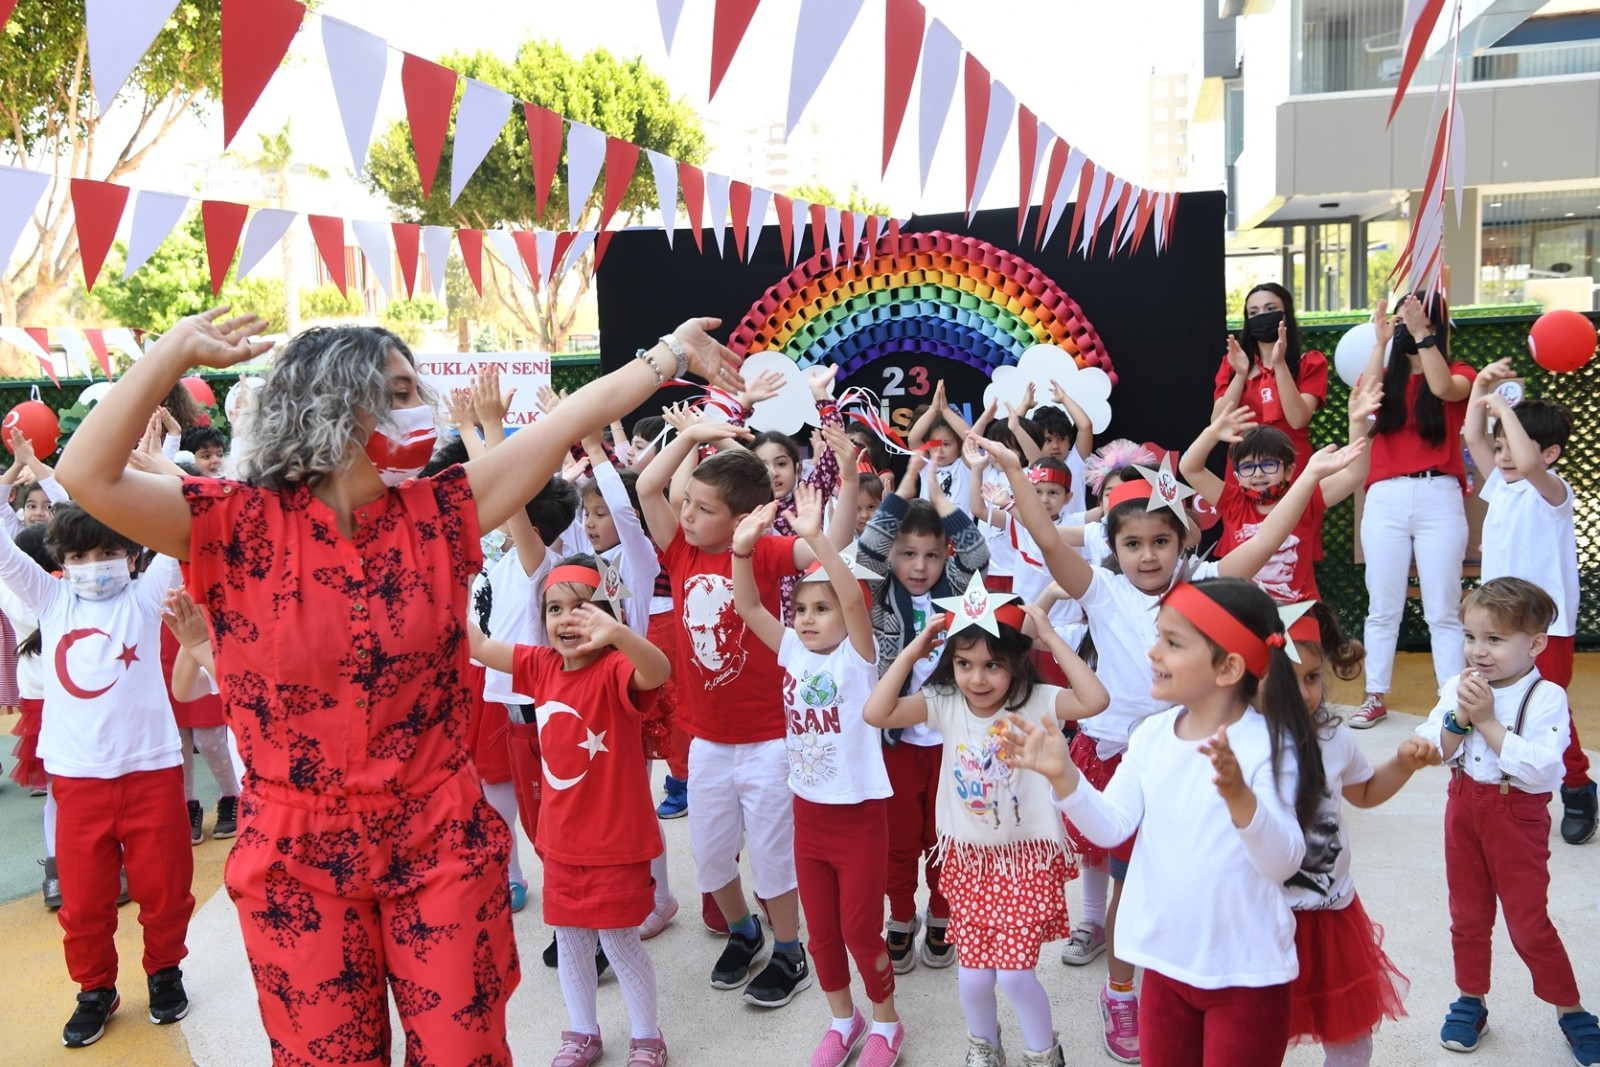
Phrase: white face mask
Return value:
(403, 453)
(99, 581)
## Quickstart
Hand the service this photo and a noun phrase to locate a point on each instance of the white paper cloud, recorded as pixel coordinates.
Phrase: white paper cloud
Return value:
(793, 407)
(1090, 389)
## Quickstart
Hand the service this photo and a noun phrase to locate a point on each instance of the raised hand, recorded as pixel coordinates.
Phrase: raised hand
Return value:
(548, 398)
(1232, 422)
(931, 635)
(708, 357)
(766, 385)
(974, 454)
(185, 618)
(1039, 748)
(705, 432)
(1229, 779)
(1332, 459)
(820, 379)
(1273, 358)
(1492, 375)
(752, 526)
(21, 448)
(1027, 403)
(488, 402)
(1415, 318)
(1365, 401)
(681, 416)
(459, 411)
(1002, 457)
(169, 423)
(1383, 323)
(806, 516)
(210, 340)
(844, 449)
(996, 496)
(599, 629)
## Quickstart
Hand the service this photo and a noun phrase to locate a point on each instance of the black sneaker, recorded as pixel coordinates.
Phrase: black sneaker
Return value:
(1578, 816)
(779, 983)
(51, 886)
(168, 1001)
(550, 952)
(601, 964)
(741, 955)
(227, 818)
(123, 893)
(900, 940)
(937, 952)
(88, 1022)
(197, 816)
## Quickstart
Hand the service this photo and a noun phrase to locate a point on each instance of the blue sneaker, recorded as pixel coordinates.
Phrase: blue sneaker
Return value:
(519, 896)
(675, 805)
(1464, 1024)
(1582, 1031)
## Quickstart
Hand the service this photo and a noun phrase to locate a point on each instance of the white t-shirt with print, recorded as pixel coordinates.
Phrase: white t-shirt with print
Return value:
(834, 756)
(923, 735)
(1324, 882)
(1525, 537)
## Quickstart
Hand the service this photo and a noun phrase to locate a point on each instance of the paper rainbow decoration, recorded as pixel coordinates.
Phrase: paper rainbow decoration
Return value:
(932, 294)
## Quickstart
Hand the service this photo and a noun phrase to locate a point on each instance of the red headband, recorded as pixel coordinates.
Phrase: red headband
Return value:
(1010, 615)
(1306, 628)
(1218, 624)
(1135, 489)
(573, 572)
(1051, 476)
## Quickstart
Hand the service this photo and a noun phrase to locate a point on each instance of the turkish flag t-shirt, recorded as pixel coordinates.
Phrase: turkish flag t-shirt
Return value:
(596, 809)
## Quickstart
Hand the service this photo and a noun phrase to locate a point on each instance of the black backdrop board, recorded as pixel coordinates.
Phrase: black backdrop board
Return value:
(1160, 317)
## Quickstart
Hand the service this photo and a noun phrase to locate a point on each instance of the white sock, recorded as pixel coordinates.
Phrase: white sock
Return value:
(1357, 1053)
(213, 742)
(49, 821)
(637, 977)
(842, 1026)
(1096, 887)
(1117, 994)
(579, 983)
(885, 1030)
(502, 796)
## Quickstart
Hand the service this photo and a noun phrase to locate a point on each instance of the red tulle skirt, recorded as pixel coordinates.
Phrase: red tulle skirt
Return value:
(1097, 772)
(1347, 983)
(28, 771)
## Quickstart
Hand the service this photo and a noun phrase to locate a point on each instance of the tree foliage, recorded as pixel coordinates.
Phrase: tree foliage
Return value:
(817, 193)
(622, 97)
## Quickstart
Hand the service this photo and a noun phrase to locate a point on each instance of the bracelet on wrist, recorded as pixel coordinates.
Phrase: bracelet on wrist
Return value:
(679, 353)
(736, 554)
(649, 361)
(1455, 725)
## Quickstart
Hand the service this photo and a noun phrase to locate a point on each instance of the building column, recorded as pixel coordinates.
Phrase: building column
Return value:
(1463, 244)
(1358, 264)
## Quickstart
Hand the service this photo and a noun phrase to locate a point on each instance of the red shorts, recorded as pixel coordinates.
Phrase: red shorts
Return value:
(1096, 772)
(598, 898)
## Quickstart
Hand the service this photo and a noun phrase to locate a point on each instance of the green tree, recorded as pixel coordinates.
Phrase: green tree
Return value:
(624, 98)
(407, 319)
(817, 193)
(47, 112)
(176, 282)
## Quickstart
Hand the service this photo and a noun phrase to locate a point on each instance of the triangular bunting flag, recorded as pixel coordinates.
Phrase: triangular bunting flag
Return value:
(665, 170)
(1119, 229)
(693, 182)
(29, 343)
(1030, 151)
(975, 87)
(407, 238)
(479, 120)
(436, 246)
(96, 340)
(544, 242)
(785, 210)
(847, 233)
(328, 234)
(222, 222)
(941, 61)
(622, 159)
(586, 151)
(902, 47)
(471, 242)
(759, 199)
(50, 364)
(823, 27)
(20, 191)
(1420, 17)
(835, 223)
(154, 216)
(1099, 207)
(873, 223)
(799, 209)
(528, 249)
(544, 146)
(717, 196)
(1141, 222)
(602, 241)
(564, 239)
(97, 208)
(120, 32)
(580, 244)
(1069, 178)
(505, 248)
(669, 10)
(429, 91)
(996, 127)
(266, 229)
(819, 229)
(739, 204)
(374, 238)
(1087, 180)
(731, 20)
(357, 63)
(256, 35)
(7, 7)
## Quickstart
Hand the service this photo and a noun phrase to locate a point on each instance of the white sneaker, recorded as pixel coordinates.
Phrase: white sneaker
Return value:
(658, 919)
(1088, 943)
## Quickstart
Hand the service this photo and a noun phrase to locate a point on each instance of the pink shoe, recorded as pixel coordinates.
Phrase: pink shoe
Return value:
(647, 1052)
(881, 1051)
(577, 1050)
(1121, 1018)
(833, 1049)
(658, 919)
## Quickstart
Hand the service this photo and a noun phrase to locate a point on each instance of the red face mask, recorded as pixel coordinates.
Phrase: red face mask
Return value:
(404, 453)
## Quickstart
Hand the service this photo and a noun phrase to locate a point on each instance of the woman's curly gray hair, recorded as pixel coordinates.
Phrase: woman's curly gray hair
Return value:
(305, 424)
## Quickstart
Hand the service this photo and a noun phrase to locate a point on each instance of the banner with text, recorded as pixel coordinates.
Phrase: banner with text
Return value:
(525, 372)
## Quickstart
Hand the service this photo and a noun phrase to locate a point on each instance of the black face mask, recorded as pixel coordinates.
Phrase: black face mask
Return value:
(1264, 327)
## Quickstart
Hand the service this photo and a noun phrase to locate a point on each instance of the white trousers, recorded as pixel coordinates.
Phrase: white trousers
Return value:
(1402, 517)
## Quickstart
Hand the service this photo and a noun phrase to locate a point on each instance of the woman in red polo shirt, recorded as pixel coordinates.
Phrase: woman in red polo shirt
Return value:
(1415, 492)
(336, 586)
(1266, 372)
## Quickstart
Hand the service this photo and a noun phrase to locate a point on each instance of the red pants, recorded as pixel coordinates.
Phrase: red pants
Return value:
(914, 774)
(343, 898)
(1497, 845)
(138, 822)
(838, 850)
(527, 774)
(663, 633)
(1181, 1026)
(1555, 663)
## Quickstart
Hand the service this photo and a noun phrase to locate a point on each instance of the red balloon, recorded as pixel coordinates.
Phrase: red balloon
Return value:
(1561, 341)
(200, 389)
(38, 424)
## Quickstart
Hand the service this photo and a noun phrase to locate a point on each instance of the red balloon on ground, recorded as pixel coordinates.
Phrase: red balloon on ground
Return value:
(200, 389)
(1561, 341)
(37, 423)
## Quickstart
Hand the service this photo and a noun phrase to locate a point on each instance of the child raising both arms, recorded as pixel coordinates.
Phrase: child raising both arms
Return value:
(841, 822)
(1005, 857)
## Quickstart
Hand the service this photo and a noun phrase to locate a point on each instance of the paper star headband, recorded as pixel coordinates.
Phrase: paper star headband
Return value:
(979, 607)
(816, 573)
(1161, 488)
(1301, 625)
(1219, 624)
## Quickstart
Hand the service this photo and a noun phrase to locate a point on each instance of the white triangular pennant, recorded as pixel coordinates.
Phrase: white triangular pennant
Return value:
(480, 117)
(801, 210)
(941, 61)
(266, 229)
(357, 62)
(544, 248)
(665, 169)
(154, 216)
(1069, 179)
(824, 24)
(505, 246)
(376, 241)
(20, 191)
(669, 10)
(586, 153)
(24, 340)
(833, 218)
(75, 357)
(759, 199)
(120, 32)
(717, 196)
(996, 127)
(1091, 214)
(436, 248)
(1041, 144)
(580, 244)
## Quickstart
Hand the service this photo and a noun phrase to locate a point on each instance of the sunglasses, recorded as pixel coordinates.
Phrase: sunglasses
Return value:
(1252, 467)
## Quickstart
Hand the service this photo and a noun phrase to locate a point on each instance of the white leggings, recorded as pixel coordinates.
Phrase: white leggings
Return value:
(628, 958)
(213, 743)
(1425, 517)
(502, 797)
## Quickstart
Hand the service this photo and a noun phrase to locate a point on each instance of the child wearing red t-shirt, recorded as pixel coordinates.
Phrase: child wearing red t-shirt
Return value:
(597, 829)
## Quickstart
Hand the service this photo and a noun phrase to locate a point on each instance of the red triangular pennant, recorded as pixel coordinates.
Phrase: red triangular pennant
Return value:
(407, 242)
(1101, 209)
(97, 208)
(894, 235)
(622, 158)
(1052, 181)
(6, 7)
(96, 338)
(41, 337)
(1086, 179)
(430, 90)
(256, 35)
(872, 235)
(1027, 149)
(739, 205)
(902, 49)
(819, 228)
(1416, 44)
(1122, 216)
(847, 233)
(1172, 216)
(471, 242)
(602, 239)
(564, 241)
(223, 222)
(785, 208)
(975, 85)
(732, 18)
(328, 233)
(1141, 221)
(693, 183)
(528, 249)
(544, 146)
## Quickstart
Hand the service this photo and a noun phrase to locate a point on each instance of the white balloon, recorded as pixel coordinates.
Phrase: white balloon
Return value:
(94, 393)
(237, 394)
(1355, 348)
